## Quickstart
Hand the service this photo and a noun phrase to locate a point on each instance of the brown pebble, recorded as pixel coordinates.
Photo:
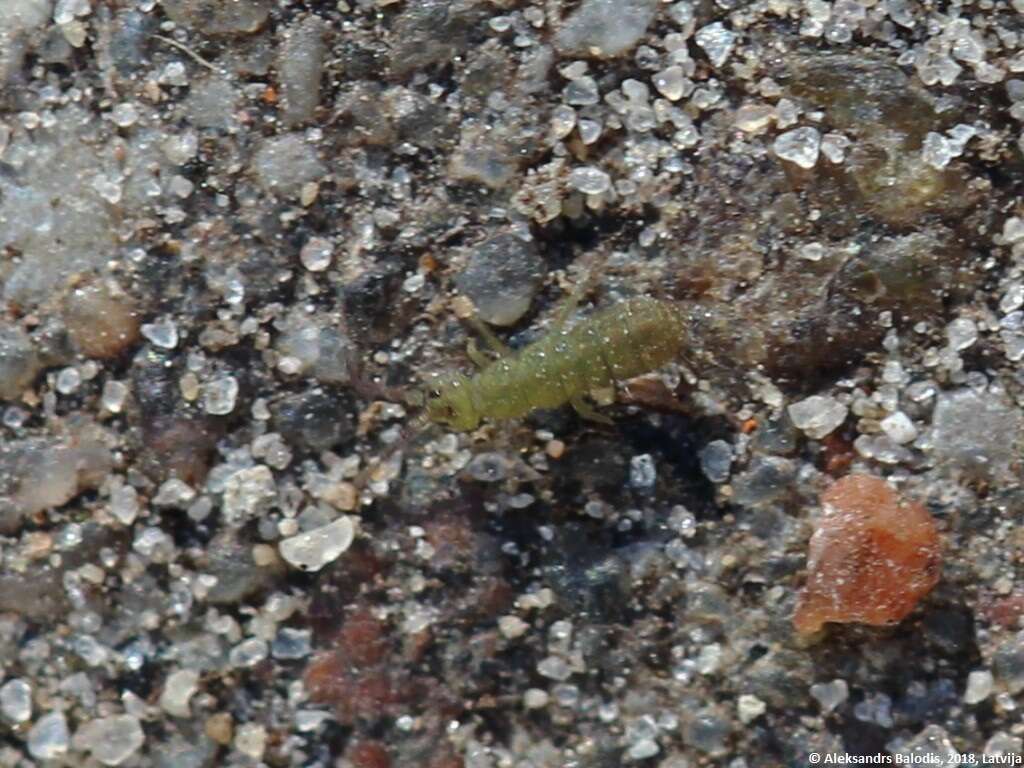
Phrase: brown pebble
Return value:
(873, 556)
(180, 446)
(838, 454)
(100, 323)
(343, 496)
(308, 195)
(264, 556)
(220, 728)
(463, 307)
(428, 263)
(555, 449)
(37, 545)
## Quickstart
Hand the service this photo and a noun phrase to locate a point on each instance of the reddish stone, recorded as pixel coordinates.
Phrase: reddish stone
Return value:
(452, 538)
(1005, 611)
(838, 454)
(368, 754)
(368, 695)
(324, 675)
(361, 639)
(872, 557)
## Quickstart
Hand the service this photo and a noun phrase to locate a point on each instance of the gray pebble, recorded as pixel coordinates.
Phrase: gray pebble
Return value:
(502, 277)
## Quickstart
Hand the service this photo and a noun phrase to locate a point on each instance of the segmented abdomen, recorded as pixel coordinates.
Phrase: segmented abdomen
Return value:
(620, 342)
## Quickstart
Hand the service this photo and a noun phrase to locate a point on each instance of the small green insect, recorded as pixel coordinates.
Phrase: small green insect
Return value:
(620, 342)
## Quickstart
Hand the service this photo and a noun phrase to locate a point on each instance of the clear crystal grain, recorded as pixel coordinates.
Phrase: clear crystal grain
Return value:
(312, 550)
(68, 381)
(817, 416)
(1013, 299)
(125, 115)
(962, 333)
(554, 668)
(49, 737)
(179, 688)
(834, 146)
(16, 700)
(590, 181)
(670, 82)
(582, 92)
(220, 395)
(163, 333)
(830, 695)
(717, 41)
(980, 683)
(937, 150)
(800, 146)
(114, 395)
(248, 653)
(110, 740)
(899, 428)
(316, 254)
(590, 130)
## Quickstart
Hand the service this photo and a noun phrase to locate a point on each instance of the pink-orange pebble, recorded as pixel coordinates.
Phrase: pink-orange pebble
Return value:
(873, 556)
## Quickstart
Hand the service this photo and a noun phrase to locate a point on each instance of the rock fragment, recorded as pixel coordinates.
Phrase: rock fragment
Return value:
(299, 68)
(284, 163)
(110, 740)
(48, 738)
(16, 700)
(976, 432)
(818, 416)
(800, 146)
(21, 19)
(502, 277)
(312, 550)
(324, 352)
(178, 691)
(19, 363)
(871, 559)
(316, 420)
(431, 32)
(215, 17)
(606, 28)
(47, 474)
(100, 323)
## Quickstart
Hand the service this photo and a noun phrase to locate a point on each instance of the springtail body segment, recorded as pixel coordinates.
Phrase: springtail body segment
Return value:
(620, 342)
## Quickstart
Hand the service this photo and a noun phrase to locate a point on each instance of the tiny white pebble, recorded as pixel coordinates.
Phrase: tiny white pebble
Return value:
(316, 254)
(512, 626)
(899, 428)
(750, 708)
(312, 550)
